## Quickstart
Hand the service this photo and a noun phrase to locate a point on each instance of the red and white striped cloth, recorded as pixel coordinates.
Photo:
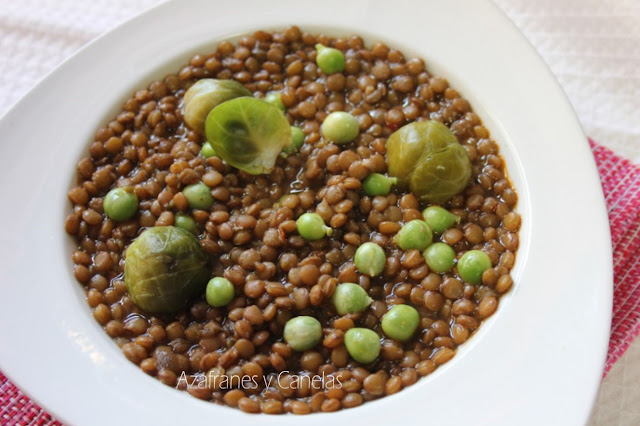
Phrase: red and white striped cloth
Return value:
(621, 184)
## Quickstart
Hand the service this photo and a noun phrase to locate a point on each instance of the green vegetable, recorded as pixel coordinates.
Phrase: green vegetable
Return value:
(198, 195)
(426, 157)
(207, 150)
(205, 95)
(219, 292)
(472, 264)
(275, 99)
(185, 222)
(329, 60)
(349, 298)
(370, 259)
(401, 322)
(377, 184)
(297, 140)
(439, 219)
(311, 227)
(439, 257)
(120, 204)
(248, 133)
(165, 268)
(340, 127)
(362, 344)
(302, 333)
(415, 234)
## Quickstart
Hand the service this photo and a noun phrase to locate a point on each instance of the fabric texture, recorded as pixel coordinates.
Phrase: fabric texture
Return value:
(621, 184)
(593, 49)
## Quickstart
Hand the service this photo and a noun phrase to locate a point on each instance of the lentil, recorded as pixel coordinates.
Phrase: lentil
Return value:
(247, 224)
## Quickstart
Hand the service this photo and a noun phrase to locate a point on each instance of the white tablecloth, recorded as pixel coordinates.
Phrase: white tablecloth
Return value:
(592, 46)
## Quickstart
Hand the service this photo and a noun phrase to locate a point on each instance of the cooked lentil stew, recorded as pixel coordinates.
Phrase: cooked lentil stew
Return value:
(321, 226)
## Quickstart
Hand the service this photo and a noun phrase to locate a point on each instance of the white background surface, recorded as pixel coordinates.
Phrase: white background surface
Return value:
(592, 46)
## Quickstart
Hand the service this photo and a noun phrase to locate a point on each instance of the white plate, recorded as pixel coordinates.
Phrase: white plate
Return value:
(537, 361)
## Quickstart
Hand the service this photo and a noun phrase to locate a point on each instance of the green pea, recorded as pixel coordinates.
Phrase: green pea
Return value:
(414, 235)
(311, 227)
(340, 127)
(329, 60)
(297, 140)
(120, 204)
(439, 219)
(207, 150)
(275, 98)
(219, 292)
(185, 222)
(439, 257)
(401, 322)
(377, 184)
(198, 195)
(472, 264)
(362, 344)
(302, 333)
(350, 298)
(370, 259)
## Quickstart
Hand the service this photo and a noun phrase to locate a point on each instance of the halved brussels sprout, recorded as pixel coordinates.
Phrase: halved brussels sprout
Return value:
(165, 268)
(426, 157)
(248, 133)
(205, 95)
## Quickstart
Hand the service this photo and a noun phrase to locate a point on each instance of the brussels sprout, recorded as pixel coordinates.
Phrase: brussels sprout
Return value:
(426, 157)
(164, 268)
(204, 95)
(248, 133)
